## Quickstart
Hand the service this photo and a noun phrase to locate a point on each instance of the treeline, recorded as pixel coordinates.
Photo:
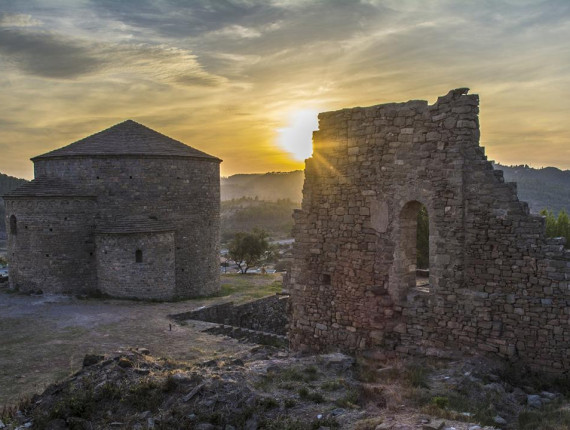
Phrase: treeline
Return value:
(246, 213)
(557, 226)
(7, 184)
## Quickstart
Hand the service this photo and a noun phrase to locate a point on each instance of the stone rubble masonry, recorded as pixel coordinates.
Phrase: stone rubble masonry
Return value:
(268, 314)
(93, 205)
(54, 245)
(497, 285)
(120, 275)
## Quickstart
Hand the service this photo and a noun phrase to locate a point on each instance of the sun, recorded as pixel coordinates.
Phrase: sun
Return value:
(297, 139)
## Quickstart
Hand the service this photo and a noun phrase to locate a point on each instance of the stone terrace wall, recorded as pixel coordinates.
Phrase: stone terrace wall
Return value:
(268, 314)
(497, 285)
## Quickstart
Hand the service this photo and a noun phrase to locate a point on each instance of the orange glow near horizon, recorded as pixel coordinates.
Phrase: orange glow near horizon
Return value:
(245, 83)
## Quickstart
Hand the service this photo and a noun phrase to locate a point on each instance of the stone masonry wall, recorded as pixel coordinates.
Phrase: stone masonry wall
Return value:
(268, 314)
(53, 250)
(496, 285)
(180, 191)
(121, 275)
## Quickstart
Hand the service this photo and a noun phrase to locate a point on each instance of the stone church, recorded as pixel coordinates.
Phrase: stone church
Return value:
(127, 212)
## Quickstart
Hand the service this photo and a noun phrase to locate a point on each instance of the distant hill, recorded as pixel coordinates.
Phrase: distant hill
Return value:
(271, 186)
(246, 213)
(7, 184)
(548, 187)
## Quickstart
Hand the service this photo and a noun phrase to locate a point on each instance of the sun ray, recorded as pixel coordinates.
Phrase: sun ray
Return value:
(297, 139)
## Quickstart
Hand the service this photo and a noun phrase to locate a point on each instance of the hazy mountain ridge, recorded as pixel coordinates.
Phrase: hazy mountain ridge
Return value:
(548, 187)
(270, 186)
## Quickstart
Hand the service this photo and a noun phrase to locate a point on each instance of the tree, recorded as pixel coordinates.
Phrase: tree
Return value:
(557, 226)
(249, 249)
(551, 228)
(563, 226)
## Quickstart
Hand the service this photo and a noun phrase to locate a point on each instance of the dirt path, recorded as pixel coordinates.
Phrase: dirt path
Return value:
(43, 339)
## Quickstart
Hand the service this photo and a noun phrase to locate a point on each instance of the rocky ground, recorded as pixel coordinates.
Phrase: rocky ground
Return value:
(269, 388)
(188, 378)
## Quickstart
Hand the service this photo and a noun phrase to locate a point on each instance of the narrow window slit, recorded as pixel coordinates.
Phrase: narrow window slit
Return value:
(13, 225)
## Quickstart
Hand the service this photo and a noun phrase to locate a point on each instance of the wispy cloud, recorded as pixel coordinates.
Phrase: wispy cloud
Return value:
(50, 55)
(18, 20)
(237, 31)
(229, 73)
(47, 55)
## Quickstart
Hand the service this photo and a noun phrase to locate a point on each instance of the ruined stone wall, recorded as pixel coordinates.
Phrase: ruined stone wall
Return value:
(267, 314)
(496, 284)
(121, 275)
(181, 191)
(52, 250)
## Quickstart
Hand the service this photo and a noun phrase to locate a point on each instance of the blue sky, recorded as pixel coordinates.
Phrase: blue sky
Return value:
(226, 76)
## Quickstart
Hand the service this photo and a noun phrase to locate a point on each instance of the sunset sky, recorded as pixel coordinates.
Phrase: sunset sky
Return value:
(242, 79)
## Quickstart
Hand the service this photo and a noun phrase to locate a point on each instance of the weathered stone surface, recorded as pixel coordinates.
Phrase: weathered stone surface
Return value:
(534, 401)
(496, 284)
(95, 203)
(91, 359)
(499, 420)
(266, 315)
(434, 425)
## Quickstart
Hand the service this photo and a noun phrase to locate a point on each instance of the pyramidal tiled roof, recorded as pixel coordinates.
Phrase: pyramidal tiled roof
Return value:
(47, 187)
(127, 138)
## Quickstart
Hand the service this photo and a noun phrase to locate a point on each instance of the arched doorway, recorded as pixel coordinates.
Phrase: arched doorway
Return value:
(411, 263)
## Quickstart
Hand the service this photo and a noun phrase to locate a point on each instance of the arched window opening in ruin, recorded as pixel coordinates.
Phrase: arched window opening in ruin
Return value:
(139, 256)
(411, 256)
(13, 225)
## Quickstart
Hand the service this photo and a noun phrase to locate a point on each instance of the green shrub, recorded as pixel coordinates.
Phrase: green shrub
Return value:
(440, 402)
(349, 400)
(290, 403)
(314, 396)
(417, 376)
(268, 403)
(332, 385)
(552, 417)
(169, 384)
